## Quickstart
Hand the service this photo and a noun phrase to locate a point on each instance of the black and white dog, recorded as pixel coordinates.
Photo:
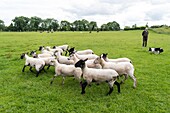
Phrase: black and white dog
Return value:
(155, 50)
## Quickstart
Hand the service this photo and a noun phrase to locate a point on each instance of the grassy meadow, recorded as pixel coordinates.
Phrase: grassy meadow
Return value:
(23, 92)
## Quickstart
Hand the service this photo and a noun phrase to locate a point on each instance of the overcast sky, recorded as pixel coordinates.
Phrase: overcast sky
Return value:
(125, 12)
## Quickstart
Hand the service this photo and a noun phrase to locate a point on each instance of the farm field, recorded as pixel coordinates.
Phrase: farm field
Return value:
(23, 92)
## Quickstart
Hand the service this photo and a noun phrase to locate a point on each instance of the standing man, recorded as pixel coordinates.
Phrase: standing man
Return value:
(145, 37)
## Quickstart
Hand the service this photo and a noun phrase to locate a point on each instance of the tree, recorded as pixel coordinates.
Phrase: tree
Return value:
(104, 27)
(49, 24)
(113, 26)
(65, 26)
(34, 23)
(2, 25)
(11, 27)
(85, 24)
(21, 23)
(92, 26)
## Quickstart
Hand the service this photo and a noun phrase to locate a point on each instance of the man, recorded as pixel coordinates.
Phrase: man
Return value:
(145, 37)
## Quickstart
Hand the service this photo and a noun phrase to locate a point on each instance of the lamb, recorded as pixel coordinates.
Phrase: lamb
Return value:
(33, 62)
(43, 55)
(43, 50)
(54, 50)
(63, 59)
(97, 75)
(46, 59)
(66, 70)
(82, 52)
(83, 57)
(63, 47)
(104, 56)
(90, 63)
(122, 68)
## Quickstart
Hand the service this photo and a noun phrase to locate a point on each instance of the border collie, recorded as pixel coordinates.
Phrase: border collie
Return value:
(155, 50)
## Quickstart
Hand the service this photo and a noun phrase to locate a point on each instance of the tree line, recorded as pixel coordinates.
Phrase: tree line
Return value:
(35, 23)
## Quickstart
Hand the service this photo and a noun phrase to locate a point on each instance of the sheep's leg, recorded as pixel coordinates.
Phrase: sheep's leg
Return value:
(63, 80)
(83, 87)
(31, 69)
(48, 67)
(126, 76)
(23, 68)
(111, 87)
(118, 86)
(37, 73)
(43, 69)
(134, 81)
(110, 91)
(52, 79)
(132, 76)
(66, 53)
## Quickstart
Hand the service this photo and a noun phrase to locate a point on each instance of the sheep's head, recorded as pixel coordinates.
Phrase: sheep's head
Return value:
(71, 57)
(81, 63)
(104, 55)
(41, 48)
(23, 55)
(54, 47)
(71, 50)
(97, 60)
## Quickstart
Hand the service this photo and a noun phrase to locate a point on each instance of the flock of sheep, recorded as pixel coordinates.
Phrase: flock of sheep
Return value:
(84, 65)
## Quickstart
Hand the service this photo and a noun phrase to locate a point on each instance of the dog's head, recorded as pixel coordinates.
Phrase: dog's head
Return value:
(161, 50)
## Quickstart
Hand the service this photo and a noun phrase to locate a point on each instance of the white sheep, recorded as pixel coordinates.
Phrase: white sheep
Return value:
(63, 59)
(43, 55)
(90, 63)
(97, 75)
(83, 57)
(122, 68)
(43, 50)
(66, 70)
(104, 56)
(80, 52)
(33, 62)
(63, 47)
(54, 50)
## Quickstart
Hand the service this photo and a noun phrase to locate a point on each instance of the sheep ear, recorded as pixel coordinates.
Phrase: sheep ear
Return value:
(106, 53)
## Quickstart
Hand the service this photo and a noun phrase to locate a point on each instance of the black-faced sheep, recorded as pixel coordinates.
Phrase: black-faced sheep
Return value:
(97, 75)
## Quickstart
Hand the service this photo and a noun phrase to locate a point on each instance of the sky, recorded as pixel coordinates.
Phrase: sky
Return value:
(125, 12)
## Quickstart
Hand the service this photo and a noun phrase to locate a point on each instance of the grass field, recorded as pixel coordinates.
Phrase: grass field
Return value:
(23, 92)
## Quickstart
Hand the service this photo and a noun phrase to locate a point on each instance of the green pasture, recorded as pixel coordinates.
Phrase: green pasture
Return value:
(23, 92)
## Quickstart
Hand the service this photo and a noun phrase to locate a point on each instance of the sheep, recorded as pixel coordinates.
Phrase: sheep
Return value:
(104, 56)
(122, 68)
(82, 52)
(43, 55)
(90, 63)
(63, 59)
(54, 50)
(83, 57)
(63, 47)
(46, 59)
(66, 70)
(43, 50)
(97, 75)
(33, 62)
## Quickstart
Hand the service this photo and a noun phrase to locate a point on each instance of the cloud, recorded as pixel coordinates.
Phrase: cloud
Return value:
(127, 12)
